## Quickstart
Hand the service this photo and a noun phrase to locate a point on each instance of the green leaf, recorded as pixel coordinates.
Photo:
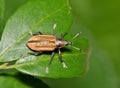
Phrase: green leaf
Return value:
(1, 15)
(20, 81)
(75, 60)
(1, 9)
(36, 16)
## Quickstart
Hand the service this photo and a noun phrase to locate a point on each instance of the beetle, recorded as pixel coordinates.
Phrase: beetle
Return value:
(48, 43)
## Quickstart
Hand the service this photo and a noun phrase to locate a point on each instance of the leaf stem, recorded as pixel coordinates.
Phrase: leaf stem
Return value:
(6, 66)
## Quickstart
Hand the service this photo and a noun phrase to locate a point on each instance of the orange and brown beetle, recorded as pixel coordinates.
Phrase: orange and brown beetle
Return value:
(46, 43)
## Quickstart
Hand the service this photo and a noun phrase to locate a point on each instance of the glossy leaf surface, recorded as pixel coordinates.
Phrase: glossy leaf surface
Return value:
(35, 16)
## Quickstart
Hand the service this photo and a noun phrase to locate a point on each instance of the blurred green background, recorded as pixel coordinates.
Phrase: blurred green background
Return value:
(99, 21)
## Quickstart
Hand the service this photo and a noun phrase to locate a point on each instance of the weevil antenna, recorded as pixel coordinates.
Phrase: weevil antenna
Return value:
(75, 36)
(76, 48)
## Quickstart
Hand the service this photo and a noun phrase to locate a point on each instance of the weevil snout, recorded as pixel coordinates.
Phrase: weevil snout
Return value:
(68, 43)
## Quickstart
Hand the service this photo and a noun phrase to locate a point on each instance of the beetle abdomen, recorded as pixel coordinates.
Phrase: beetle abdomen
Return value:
(42, 43)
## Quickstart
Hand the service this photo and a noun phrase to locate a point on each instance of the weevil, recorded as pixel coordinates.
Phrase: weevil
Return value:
(48, 43)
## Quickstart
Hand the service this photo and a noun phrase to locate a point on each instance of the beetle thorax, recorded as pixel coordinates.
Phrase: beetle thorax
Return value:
(61, 43)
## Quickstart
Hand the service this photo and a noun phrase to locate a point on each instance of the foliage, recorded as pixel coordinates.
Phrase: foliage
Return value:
(1, 15)
(97, 20)
(35, 16)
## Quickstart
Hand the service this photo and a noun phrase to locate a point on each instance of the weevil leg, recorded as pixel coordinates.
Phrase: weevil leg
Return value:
(54, 26)
(35, 53)
(62, 36)
(25, 54)
(38, 33)
(54, 29)
(51, 59)
(30, 53)
(65, 34)
(61, 59)
(30, 32)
